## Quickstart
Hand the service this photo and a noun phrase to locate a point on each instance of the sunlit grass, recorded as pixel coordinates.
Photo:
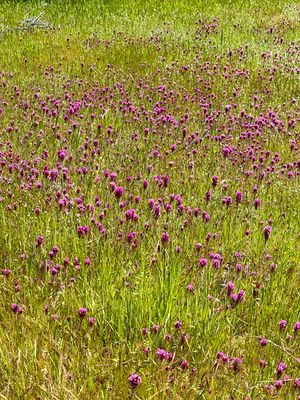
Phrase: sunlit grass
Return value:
(226, 68)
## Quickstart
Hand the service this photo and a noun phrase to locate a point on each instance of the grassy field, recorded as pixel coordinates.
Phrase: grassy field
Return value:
(149, 199)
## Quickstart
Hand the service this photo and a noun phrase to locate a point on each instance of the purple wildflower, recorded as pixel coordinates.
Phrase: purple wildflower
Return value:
(134, 381)
(267, 232)
(82, 312)
(282, 324)
(165, 238)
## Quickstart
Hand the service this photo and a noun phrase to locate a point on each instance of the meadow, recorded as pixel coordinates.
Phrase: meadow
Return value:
(150, 199)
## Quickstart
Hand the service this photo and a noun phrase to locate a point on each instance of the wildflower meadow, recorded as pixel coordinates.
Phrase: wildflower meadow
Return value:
(150, 199)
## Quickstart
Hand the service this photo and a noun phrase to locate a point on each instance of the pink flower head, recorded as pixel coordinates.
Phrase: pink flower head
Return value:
(263, 342)
(281, 368)
(91, 321)
(278, 384)
(162, 354)
(267, 232)
(119, 192)
(134, 381)
(165, 238)
(202, 262)
(257, 203)
(144, 331)
(178, 325)
(82, 312)
(238, 197)
(230, 288)
(190, 288)
(297, 326)
(262, 363)
(236, 362)
(241, 295)
(39, 241)
(282, 324)
(184, 364)
(215, 180)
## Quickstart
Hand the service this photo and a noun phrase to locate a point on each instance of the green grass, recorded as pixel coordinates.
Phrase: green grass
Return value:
(93, 45)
